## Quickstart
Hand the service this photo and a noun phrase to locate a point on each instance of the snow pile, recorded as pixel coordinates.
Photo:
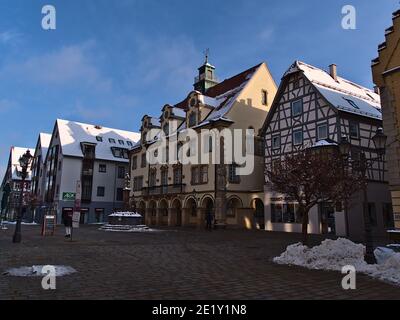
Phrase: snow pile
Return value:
(36, 271)
(126, 214)
(133, 230)
(335, 254)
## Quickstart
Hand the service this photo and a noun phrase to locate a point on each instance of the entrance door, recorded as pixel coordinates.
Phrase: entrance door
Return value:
(328, 222)
(84, 213)
(259, 215)
(178, 217)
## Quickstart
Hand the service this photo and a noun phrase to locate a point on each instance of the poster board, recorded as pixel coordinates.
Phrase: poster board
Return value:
(76, 217)
(49, 225)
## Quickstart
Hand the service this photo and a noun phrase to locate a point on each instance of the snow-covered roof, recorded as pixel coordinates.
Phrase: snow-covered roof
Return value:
(179, 112)
(15, 154)
(155, 121)
(72, 134)
(342, 94)
(45, 139)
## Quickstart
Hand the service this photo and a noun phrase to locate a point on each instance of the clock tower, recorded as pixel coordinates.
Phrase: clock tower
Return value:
(206, 78)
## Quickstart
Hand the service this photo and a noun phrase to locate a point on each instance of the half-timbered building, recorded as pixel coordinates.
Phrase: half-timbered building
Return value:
(314, 107)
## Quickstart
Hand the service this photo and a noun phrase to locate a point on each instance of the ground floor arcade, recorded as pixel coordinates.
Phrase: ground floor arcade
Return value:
(192, 210)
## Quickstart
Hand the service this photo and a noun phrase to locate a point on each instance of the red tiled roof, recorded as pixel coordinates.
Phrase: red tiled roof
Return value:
(224, 86)
(182, 105)
(230, 83)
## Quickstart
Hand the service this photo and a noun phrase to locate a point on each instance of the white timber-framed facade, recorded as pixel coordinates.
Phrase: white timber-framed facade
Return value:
(315, 107)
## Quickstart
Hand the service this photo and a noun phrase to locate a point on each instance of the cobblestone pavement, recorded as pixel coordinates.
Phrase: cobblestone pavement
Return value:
(171, 264)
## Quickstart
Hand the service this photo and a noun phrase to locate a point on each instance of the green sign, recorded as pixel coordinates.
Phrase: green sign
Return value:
(69, 196)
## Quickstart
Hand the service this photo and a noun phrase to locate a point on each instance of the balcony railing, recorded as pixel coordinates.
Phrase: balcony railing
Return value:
(162, 190)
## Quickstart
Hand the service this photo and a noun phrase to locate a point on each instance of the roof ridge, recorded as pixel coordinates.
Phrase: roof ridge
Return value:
(340, 78)
(91, 124)
(343, 91)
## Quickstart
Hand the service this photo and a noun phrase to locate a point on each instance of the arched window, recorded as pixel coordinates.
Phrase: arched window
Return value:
(166, 129)
(192, 119)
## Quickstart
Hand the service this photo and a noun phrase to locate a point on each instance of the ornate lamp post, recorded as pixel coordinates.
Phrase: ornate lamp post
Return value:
(24, 162)
(362, 165)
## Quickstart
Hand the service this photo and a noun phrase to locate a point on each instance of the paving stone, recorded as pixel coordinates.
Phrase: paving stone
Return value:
(172, 264)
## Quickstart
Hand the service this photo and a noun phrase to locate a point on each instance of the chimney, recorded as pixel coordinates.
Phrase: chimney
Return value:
(377, 90)
(333, 71)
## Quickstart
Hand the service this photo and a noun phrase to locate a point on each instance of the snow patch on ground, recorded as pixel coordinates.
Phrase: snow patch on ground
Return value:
(335, 254)
(138, 230)
(36, 271)
(23, 223)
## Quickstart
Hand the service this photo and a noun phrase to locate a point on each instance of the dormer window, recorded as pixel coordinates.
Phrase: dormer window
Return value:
(166, 129)
(192, 119)
(129, 143)
(120, 153)
(111, 140)
(192, 102)
(99, 139)
(121, 142)
(88, 150)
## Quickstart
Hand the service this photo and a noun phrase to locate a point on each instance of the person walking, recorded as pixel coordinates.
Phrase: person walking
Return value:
(67, 219)
(209, 220)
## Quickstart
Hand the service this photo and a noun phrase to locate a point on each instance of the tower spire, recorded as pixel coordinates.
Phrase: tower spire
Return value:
(206, 78)
(206, 54)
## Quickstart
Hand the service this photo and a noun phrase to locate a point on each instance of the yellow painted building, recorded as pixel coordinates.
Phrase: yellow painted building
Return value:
(185, 194)
(386, 73)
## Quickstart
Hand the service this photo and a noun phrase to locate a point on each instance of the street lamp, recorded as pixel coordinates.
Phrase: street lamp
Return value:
(24, 162)
(362, 165)
(380, 140)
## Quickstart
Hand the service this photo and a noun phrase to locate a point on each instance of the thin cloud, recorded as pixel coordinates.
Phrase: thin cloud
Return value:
(68, 66)
(169, 60)
(267, 34)
(7, 105)
(10, 36)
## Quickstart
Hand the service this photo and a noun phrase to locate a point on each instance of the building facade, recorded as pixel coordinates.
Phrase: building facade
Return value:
(38, 175)
(386, 73)
(314, 107)
(92, 156)
(12, 177)
(175, 193)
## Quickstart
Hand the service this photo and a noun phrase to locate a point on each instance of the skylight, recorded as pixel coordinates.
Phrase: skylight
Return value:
(352, 103)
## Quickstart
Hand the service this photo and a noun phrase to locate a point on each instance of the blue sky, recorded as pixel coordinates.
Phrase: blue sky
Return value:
(111, 62)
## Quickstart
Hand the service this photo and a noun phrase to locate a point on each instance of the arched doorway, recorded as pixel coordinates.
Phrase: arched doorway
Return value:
(191, 211)
(209, 209)
(176, 205)
(142, 210)
(152, 213)
(163, 207)
(232, 207)
(259, 215)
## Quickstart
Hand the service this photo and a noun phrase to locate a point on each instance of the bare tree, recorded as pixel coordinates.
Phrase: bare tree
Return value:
(312, 176)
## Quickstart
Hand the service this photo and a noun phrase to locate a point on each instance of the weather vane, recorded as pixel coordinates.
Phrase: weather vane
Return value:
(207, 54)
